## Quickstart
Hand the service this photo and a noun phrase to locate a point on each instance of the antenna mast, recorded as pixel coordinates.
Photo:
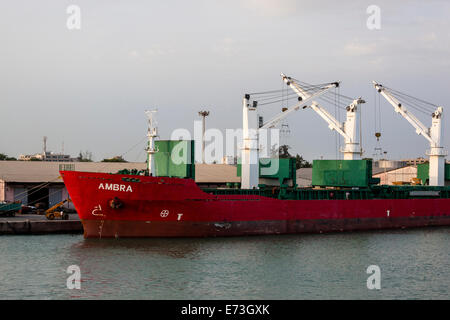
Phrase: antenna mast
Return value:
(44, 151)
(203, 114)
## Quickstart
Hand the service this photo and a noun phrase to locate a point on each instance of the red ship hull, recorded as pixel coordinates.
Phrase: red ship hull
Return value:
(116, 206)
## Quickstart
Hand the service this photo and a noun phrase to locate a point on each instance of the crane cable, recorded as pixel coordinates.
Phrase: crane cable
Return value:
(410, 101)
(277, 96)
(47, 196)
(37, 187)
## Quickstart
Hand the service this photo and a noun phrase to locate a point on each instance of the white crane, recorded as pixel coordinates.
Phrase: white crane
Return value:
(250, 146)
(349, 129)
(152, 134)
(433, 135)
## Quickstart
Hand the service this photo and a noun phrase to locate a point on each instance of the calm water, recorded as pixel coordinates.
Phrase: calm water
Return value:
(414, 264)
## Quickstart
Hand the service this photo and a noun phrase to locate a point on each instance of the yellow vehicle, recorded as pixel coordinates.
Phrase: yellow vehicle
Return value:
(57, 211)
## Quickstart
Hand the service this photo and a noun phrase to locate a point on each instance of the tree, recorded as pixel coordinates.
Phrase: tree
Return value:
(4, 157)
(115, 159)
(85, 156)
(283, 152)
(301, 163)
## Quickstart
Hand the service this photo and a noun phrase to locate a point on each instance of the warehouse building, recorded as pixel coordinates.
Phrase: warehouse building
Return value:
(396, 176)
(32, 182)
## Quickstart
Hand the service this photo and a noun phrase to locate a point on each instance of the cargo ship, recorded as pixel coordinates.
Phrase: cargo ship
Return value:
(165, 200)
(115, 205)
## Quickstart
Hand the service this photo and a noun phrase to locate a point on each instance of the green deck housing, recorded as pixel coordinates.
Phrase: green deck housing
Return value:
(343, 173)
(175, 158)
(286, 169)
(423, 170)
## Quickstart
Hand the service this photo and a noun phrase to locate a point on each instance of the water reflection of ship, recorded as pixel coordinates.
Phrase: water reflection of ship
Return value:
(170, 247)
(175, 248)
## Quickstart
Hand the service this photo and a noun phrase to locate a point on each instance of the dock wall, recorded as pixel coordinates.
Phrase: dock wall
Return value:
(40, 227)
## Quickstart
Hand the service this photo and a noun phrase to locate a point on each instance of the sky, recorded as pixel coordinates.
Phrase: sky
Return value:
(88, 88)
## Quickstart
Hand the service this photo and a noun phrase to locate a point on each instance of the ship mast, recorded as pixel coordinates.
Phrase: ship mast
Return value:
(152, 133)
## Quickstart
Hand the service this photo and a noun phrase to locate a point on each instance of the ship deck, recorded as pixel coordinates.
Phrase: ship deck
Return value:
(370, 193)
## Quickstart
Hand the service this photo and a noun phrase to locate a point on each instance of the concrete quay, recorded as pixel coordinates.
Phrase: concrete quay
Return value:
(28, 224)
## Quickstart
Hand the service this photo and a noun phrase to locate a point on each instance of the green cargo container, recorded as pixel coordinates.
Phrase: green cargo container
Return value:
(175, 158)
(268, 168)
(342, 173)
(9, 209)
(423, 171)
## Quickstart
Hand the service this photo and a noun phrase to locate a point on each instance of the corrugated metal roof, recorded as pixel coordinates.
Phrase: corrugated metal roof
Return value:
(304, 177)
(41, 171)
(304, 173)
(216, 173)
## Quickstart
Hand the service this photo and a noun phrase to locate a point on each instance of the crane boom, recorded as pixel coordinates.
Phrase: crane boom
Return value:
(348, 130)
(333, 124)
(404, 112)
(275, 120)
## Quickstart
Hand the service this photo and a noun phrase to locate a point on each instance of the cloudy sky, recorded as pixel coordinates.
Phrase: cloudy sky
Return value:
(89, 88)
